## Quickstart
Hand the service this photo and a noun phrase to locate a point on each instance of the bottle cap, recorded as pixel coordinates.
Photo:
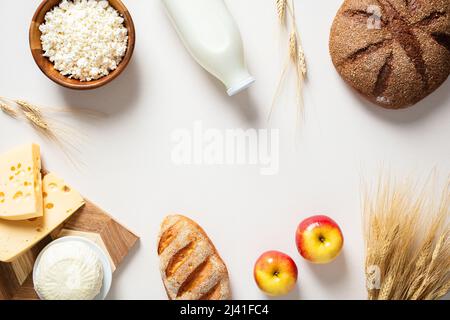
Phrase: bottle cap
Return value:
(240, 86)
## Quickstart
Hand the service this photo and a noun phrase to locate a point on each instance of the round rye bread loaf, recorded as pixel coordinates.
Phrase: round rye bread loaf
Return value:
(394, 52)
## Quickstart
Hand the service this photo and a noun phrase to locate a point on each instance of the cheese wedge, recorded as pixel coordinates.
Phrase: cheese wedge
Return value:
(20, 183)
(60, 202)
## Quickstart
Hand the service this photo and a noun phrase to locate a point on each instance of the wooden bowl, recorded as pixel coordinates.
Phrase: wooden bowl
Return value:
(47, 66)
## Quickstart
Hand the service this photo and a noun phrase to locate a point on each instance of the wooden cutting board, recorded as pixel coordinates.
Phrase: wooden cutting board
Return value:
(16, 281)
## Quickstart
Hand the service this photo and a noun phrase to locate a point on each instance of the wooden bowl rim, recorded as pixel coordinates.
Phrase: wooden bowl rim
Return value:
(88, 85)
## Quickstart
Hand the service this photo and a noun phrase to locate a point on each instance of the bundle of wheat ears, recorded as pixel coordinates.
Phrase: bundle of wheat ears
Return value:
(407, 242)
(296, 56)
(42, 121)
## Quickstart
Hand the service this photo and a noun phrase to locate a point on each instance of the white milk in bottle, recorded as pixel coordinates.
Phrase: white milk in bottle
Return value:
(212, 37)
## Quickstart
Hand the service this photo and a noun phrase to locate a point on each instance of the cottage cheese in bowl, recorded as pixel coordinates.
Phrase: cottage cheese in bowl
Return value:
(84, 39)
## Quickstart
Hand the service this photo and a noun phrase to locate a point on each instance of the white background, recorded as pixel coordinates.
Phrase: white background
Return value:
(127, 154)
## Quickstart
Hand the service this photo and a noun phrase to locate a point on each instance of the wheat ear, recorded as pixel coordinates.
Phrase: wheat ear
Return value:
(408, 239)
(295, 54)
(57, 133)
(296, 51)
(8, 110)
(281, 10)
(293, 46)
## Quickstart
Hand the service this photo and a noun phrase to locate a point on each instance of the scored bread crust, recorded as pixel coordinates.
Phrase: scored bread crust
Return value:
(190, 266)
(397, 59)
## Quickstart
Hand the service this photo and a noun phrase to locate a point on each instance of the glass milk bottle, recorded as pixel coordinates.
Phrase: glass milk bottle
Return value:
(212, 37)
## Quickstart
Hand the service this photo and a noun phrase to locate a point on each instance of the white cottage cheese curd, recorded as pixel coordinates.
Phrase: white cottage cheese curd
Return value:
(69, 271)
(85, 39)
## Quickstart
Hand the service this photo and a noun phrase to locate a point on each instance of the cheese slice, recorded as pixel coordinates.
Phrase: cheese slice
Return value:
(60, 202)
(20, 183)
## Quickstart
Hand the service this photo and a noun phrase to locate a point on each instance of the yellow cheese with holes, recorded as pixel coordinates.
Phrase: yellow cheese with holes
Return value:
(20, 183)
(60, 202)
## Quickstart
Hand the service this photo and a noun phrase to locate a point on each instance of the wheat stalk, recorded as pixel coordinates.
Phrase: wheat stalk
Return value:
(28, 107)
(8, 110)
(281, 10)
(293, 46)
(302, 61)
(57, 132)
(408, 239)
(296, 54)
(37, 121)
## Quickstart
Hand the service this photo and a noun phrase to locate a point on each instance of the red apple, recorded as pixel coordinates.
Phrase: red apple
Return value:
(319, 239)
(275, 273)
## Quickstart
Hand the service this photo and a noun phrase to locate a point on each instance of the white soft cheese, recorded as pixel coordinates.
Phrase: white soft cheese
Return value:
(85, 39)
(69, 270)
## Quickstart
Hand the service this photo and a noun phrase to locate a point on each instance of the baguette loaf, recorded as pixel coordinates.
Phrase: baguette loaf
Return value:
(394, 52)
(190, 266)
